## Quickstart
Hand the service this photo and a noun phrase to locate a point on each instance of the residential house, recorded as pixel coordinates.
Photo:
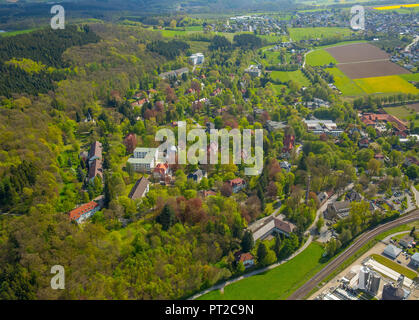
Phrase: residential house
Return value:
(288, 143)
(353, 196)
(273, 125)
(237, 184)
(245, 258)
(140, 189)
(408, 161)
(95, 169)
(95, 151)
(322, 197)
(270, 226)
(85, 211)
(407, 241)
(364, 143)
(206, 193)
(197, 58)
(161, 171)
(337, 210)
(285, 165)
(197, 175)
(144, 159)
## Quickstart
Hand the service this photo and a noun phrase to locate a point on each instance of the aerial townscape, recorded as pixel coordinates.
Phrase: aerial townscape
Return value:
(87, 182)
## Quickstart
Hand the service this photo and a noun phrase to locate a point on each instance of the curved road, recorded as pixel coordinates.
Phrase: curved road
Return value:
(362, 240)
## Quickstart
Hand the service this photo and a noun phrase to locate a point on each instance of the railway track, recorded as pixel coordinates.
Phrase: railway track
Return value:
(304, 290)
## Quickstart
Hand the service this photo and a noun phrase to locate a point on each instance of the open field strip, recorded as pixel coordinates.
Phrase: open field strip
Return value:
(297, 34)
(386, 84)
(285, 76)
(319, 57)
(397, 6)
(346, 85)
(277, 283)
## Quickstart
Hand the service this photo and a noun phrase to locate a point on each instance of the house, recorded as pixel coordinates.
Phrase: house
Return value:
(376, 120)
(322, 196)
(253, 71)
(140, 189)
(406, 241)
(173, 74)
(95, 169)
(323, 126)
(197, 175)
(207, 193)
(337, 210)
(273, 125)
(84, 212)
(379, 157)
(411, 160)
(288, 142)
(285, 165)
(161, 171)
(415, 260)
(95, 151)
(237, 184)
(245, 258)
(130, 142)
(364, 143)
(271, 225)
(197, 58)
(144, 159)
(392, 251)
(353, 196)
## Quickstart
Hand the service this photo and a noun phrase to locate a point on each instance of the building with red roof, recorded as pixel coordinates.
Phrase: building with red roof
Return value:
(85, 211)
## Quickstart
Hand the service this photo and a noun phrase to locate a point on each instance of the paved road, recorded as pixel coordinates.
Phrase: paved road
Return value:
(362, 240)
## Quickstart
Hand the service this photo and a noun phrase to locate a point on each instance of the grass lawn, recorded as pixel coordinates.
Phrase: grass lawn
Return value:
(298, 34)
(319, 58)
(387, 84)
(14, 33)
(285, 76)
(278, 283)
(346, 85)
(394, 266)
(403, 113)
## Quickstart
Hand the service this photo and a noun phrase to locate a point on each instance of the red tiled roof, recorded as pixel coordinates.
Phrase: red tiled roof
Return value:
(236, 181)
(245, 256)
(78, 212)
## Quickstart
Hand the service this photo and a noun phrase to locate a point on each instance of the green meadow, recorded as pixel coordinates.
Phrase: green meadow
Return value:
(276, 284)
(285, 76)
(346, 85)
(319, 58)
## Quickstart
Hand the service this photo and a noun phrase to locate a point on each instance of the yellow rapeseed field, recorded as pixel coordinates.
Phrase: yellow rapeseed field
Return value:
(387, 84)
(397, 6)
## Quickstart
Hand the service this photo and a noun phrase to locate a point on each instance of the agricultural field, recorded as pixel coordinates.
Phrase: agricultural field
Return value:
(388, 84)
(405, 113)
(275, 284)
(357, 52)
(297, 34)
(371, 69)
(285, 76)
(347, 86)
(319, 57)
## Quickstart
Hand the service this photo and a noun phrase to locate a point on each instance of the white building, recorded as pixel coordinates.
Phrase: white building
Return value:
(144, 159)
(323, 126)
(197, 58)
